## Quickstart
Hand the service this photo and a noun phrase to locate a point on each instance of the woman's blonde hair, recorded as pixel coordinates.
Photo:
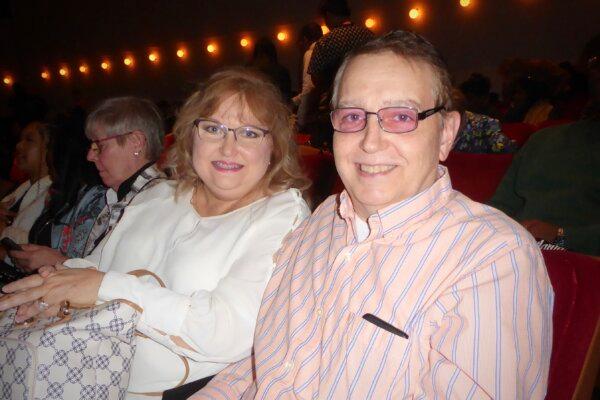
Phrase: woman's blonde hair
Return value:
(265, 103)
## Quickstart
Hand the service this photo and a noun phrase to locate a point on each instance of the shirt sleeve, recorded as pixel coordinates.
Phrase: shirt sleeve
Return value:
(216, 325)
(495, 332)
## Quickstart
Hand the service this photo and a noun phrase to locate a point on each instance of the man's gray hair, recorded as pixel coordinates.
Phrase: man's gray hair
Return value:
(119, 115)
(408, 45)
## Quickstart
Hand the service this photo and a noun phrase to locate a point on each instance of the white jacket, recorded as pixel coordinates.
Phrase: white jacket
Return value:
(215, 270)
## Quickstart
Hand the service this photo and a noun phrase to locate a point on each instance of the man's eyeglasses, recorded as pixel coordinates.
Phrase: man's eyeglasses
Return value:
(95, 144)
(214, 131)
(391, 119)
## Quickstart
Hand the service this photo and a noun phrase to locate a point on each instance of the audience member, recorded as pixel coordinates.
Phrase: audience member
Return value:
(552, 186)
(328, 53)
(479, 133)
(214, 234)
(20, 209)
(400, 287)
(309, 34)
(476, 92)
(74, 200)
(264, 59)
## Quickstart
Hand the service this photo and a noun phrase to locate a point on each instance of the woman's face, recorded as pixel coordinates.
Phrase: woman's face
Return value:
(230, 170)
(115, 162)
(31, 151)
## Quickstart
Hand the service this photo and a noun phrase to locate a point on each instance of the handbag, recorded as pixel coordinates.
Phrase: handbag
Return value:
(86, 355)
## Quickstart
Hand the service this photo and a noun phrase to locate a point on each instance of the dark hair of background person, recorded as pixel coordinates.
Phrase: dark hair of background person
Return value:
(335, 7)
(68, 168)
(264, 59)
(311, 32)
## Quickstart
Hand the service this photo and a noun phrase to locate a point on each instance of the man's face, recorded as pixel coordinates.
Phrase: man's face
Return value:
(380, 168)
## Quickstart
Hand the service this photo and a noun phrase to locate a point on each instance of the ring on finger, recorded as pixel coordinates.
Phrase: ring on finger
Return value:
(65, 309)
(42, 305)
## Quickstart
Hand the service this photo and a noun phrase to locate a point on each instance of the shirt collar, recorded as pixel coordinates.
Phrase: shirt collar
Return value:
(406, 212)
(125, 187)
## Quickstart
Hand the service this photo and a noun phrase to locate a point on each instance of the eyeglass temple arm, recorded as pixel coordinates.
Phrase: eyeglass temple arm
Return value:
(427, 113)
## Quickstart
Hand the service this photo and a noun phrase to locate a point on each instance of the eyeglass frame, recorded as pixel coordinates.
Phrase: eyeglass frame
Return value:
(265, 132)
(420, 116)
(97, 150)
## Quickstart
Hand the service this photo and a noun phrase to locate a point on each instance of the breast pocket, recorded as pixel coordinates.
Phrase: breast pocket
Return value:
(378, 356)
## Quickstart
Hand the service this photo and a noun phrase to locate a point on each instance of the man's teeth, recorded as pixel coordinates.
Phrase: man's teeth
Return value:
(375, 169)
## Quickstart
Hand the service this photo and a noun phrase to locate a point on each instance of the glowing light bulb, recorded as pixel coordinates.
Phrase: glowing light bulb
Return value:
(324, 29)
(181, 53)
(8, 80)
(84, 69)
(282, 36)
(105, 65)
(369, 23)
(211, 48)
(64, 72)
(45, 75)
(128, 61)
(414, 13)
(153, 57)
(244, 42)
(465, 3)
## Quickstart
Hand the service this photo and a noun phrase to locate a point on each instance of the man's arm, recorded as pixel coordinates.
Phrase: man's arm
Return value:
(495, 332)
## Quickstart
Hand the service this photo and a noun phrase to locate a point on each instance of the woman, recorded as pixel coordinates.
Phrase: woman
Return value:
(75, 199)
(126, 140)
(210, 237)
(20, 209)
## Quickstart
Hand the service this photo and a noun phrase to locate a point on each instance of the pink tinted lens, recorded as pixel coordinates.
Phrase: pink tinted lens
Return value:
(348, 119)
(398, 119)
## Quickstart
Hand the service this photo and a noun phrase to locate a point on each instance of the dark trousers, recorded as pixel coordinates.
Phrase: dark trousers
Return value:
(184, 391)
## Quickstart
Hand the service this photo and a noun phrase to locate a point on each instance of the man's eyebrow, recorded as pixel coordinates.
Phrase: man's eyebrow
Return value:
(358, 103)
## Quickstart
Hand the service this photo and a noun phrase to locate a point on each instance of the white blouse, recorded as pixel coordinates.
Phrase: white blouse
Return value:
(215, 270)
(30, 208)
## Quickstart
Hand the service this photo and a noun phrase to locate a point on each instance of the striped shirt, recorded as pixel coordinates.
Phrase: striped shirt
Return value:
(464, 282)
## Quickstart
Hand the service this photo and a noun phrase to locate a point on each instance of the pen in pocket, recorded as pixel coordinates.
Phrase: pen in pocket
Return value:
(384, 325)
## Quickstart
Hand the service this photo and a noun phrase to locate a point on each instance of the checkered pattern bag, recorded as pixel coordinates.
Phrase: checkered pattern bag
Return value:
(87, 356)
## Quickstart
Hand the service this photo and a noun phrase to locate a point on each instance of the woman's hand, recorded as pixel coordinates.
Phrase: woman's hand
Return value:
(78, 286)
(34, 256)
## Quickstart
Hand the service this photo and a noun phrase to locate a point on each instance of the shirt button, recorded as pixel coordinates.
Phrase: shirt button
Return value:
(348, 256)
(319, 311)
(289, 365)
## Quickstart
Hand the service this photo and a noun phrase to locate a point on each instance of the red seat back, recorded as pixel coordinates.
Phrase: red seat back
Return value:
(320, 168)
(518, 131)
(576, 282)
(553, 122)
(302, 139)
(477, 175)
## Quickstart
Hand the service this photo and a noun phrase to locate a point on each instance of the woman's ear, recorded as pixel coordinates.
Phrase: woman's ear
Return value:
(139, 143)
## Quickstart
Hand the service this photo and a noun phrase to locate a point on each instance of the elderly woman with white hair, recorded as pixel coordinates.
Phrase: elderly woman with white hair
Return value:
(126, 136)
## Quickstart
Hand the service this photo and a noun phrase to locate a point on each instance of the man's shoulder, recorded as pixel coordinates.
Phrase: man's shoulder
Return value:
(486, 225)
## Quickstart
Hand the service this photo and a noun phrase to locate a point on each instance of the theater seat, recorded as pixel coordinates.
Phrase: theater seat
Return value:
(168, 141)
(553, 122)
(477, 175)
(320, 168)
(518, 131)
(302, 139)
(576, 336)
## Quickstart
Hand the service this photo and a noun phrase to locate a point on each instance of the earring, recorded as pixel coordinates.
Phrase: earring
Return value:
(136, 153)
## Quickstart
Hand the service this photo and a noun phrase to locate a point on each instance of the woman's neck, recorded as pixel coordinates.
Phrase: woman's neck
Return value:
(208, 205)
(37, 175)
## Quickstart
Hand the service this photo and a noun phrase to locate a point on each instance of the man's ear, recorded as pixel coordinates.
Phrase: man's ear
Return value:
(449, 132)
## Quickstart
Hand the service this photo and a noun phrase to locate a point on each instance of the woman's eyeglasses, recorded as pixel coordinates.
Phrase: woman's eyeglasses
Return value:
(214, 131)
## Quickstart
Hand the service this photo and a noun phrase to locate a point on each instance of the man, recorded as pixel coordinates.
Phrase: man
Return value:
(328, 53)
(553, 184)
(401, 287)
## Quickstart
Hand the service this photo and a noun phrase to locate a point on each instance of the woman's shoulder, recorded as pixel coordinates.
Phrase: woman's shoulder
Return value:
(162, 191)
(285, 203)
